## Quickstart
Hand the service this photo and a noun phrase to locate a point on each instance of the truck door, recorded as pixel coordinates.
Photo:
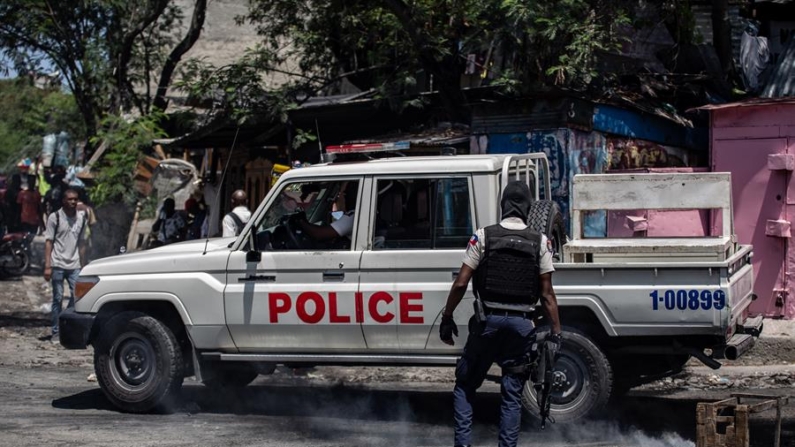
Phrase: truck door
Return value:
(300, 297)
(420, 229)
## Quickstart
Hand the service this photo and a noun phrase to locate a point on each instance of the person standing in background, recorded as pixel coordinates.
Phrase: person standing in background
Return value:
(238, 218)
(64, 252)
(29, 201)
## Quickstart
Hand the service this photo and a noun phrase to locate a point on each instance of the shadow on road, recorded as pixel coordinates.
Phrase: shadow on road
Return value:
(87, 400)
(655, 416)
(24, 319)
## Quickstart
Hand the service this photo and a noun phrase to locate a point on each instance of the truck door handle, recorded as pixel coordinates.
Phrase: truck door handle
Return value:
(257, 278)
(333, 276)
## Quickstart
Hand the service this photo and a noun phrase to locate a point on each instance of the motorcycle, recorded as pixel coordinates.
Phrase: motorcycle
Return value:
(15, 254)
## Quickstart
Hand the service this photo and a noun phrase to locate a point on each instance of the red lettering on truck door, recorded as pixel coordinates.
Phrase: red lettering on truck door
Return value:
(359, 307)
(300, 307)
(332, 310)
(278, 303)
(406, 308)
(373, 307)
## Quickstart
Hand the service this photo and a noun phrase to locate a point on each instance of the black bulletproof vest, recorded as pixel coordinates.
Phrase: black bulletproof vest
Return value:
(509, 270)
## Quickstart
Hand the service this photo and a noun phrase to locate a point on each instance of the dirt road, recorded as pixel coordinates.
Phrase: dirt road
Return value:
(46, 398)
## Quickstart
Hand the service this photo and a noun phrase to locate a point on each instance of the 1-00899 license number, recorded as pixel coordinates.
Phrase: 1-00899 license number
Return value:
(688, 299)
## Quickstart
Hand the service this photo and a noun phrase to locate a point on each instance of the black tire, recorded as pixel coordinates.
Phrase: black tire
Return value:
(21, 264)
(138, 363)
(229, 376)
(586, 376)
(546, 218)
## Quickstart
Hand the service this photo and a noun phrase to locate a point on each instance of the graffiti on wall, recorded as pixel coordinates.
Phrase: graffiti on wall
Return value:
(571, 152)
(588, 155)
(629, 153)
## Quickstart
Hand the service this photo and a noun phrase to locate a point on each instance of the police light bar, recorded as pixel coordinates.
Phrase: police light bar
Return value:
(364, 148)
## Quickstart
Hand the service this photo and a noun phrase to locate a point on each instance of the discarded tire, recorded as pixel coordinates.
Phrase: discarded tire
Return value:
(582, 384)
(138, 363)
(546, 218)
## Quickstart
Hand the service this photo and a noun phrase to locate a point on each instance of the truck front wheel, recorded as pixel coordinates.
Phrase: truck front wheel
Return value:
(138, 363)
(582, 380)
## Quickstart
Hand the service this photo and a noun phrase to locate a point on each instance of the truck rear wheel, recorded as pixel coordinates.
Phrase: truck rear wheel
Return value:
(584, 380)
(546, 218)
(138, 363)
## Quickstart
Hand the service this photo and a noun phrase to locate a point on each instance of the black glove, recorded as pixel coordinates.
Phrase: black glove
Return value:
(552, 343)
(447, 329)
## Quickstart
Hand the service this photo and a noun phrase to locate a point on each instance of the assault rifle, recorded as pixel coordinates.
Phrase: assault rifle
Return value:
(542, 382)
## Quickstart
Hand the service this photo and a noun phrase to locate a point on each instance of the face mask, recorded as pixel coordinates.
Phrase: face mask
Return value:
(336, 215)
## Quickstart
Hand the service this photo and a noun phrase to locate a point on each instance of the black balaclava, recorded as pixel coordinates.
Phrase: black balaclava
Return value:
(516, 200)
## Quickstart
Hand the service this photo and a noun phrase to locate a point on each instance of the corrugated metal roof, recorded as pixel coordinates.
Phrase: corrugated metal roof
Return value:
(781, 82)
(439, 137)
(747, 103)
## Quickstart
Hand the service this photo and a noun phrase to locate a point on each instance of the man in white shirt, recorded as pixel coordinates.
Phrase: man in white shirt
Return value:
(345, 215)
(234, 222)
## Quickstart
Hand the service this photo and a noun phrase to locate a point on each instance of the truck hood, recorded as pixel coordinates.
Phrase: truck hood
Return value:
(180, 257)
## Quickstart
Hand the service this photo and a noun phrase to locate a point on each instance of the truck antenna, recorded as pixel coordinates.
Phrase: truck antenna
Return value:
(221, 183)
(319, 143)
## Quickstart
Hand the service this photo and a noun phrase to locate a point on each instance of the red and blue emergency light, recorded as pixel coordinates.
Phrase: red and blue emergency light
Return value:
(363, 148)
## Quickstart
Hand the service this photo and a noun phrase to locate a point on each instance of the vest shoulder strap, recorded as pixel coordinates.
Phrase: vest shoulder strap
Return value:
(238, 222)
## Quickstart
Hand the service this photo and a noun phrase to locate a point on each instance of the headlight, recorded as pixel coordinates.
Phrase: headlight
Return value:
(84, 284)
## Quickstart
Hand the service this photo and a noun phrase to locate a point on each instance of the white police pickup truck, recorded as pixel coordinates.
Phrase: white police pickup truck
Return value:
(226, 310)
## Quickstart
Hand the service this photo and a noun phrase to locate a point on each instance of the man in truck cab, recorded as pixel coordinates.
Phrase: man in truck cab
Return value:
(512, 269)
(343, 214)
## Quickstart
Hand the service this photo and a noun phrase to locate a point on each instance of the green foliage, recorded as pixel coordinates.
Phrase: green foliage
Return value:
(681, 21)
(396, 48)
(561, 40)
(301, 137)
(109, 53)
(28, 113)
(116, 170)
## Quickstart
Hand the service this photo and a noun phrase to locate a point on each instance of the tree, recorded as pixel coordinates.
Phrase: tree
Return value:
(387, 45)
(28, 113)
(105, 50)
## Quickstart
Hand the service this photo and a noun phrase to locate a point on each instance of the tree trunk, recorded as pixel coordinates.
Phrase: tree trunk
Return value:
(721, 35)
(445, 72)
(196, 24)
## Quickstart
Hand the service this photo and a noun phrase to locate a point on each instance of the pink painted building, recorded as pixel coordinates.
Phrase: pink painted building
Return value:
(755, 141)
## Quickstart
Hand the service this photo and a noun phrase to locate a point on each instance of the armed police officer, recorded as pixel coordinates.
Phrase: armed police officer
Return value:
(511, 265)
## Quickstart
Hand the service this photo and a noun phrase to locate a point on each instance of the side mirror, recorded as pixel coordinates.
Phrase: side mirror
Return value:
(253, 256)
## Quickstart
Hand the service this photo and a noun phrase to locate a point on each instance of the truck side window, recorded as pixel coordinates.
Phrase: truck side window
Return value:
(422, 214)
(328, 207)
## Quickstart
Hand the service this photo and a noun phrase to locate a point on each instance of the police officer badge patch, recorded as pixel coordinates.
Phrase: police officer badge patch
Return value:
(549, 247)
(472, 241)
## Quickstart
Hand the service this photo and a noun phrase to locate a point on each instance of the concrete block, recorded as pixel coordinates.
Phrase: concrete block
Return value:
(781, 162)
(636, 223)
(777, 228)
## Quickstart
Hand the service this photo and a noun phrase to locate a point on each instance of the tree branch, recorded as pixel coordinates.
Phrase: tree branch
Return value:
(128, 42)
(196, 24)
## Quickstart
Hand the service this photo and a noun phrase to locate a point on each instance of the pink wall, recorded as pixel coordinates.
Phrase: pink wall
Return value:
(742, 138)
(660, 223)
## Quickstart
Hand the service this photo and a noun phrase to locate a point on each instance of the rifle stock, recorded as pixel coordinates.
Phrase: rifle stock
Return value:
(543, 383)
